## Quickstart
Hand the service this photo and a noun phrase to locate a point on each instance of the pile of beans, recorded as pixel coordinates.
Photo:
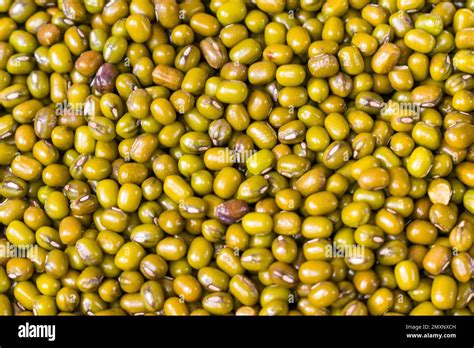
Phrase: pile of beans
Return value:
(236, 157)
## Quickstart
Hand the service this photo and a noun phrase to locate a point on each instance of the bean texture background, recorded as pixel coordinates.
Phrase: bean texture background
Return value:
(236, 157)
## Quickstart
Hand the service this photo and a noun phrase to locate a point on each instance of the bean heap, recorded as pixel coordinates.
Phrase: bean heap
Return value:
(264, 157)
